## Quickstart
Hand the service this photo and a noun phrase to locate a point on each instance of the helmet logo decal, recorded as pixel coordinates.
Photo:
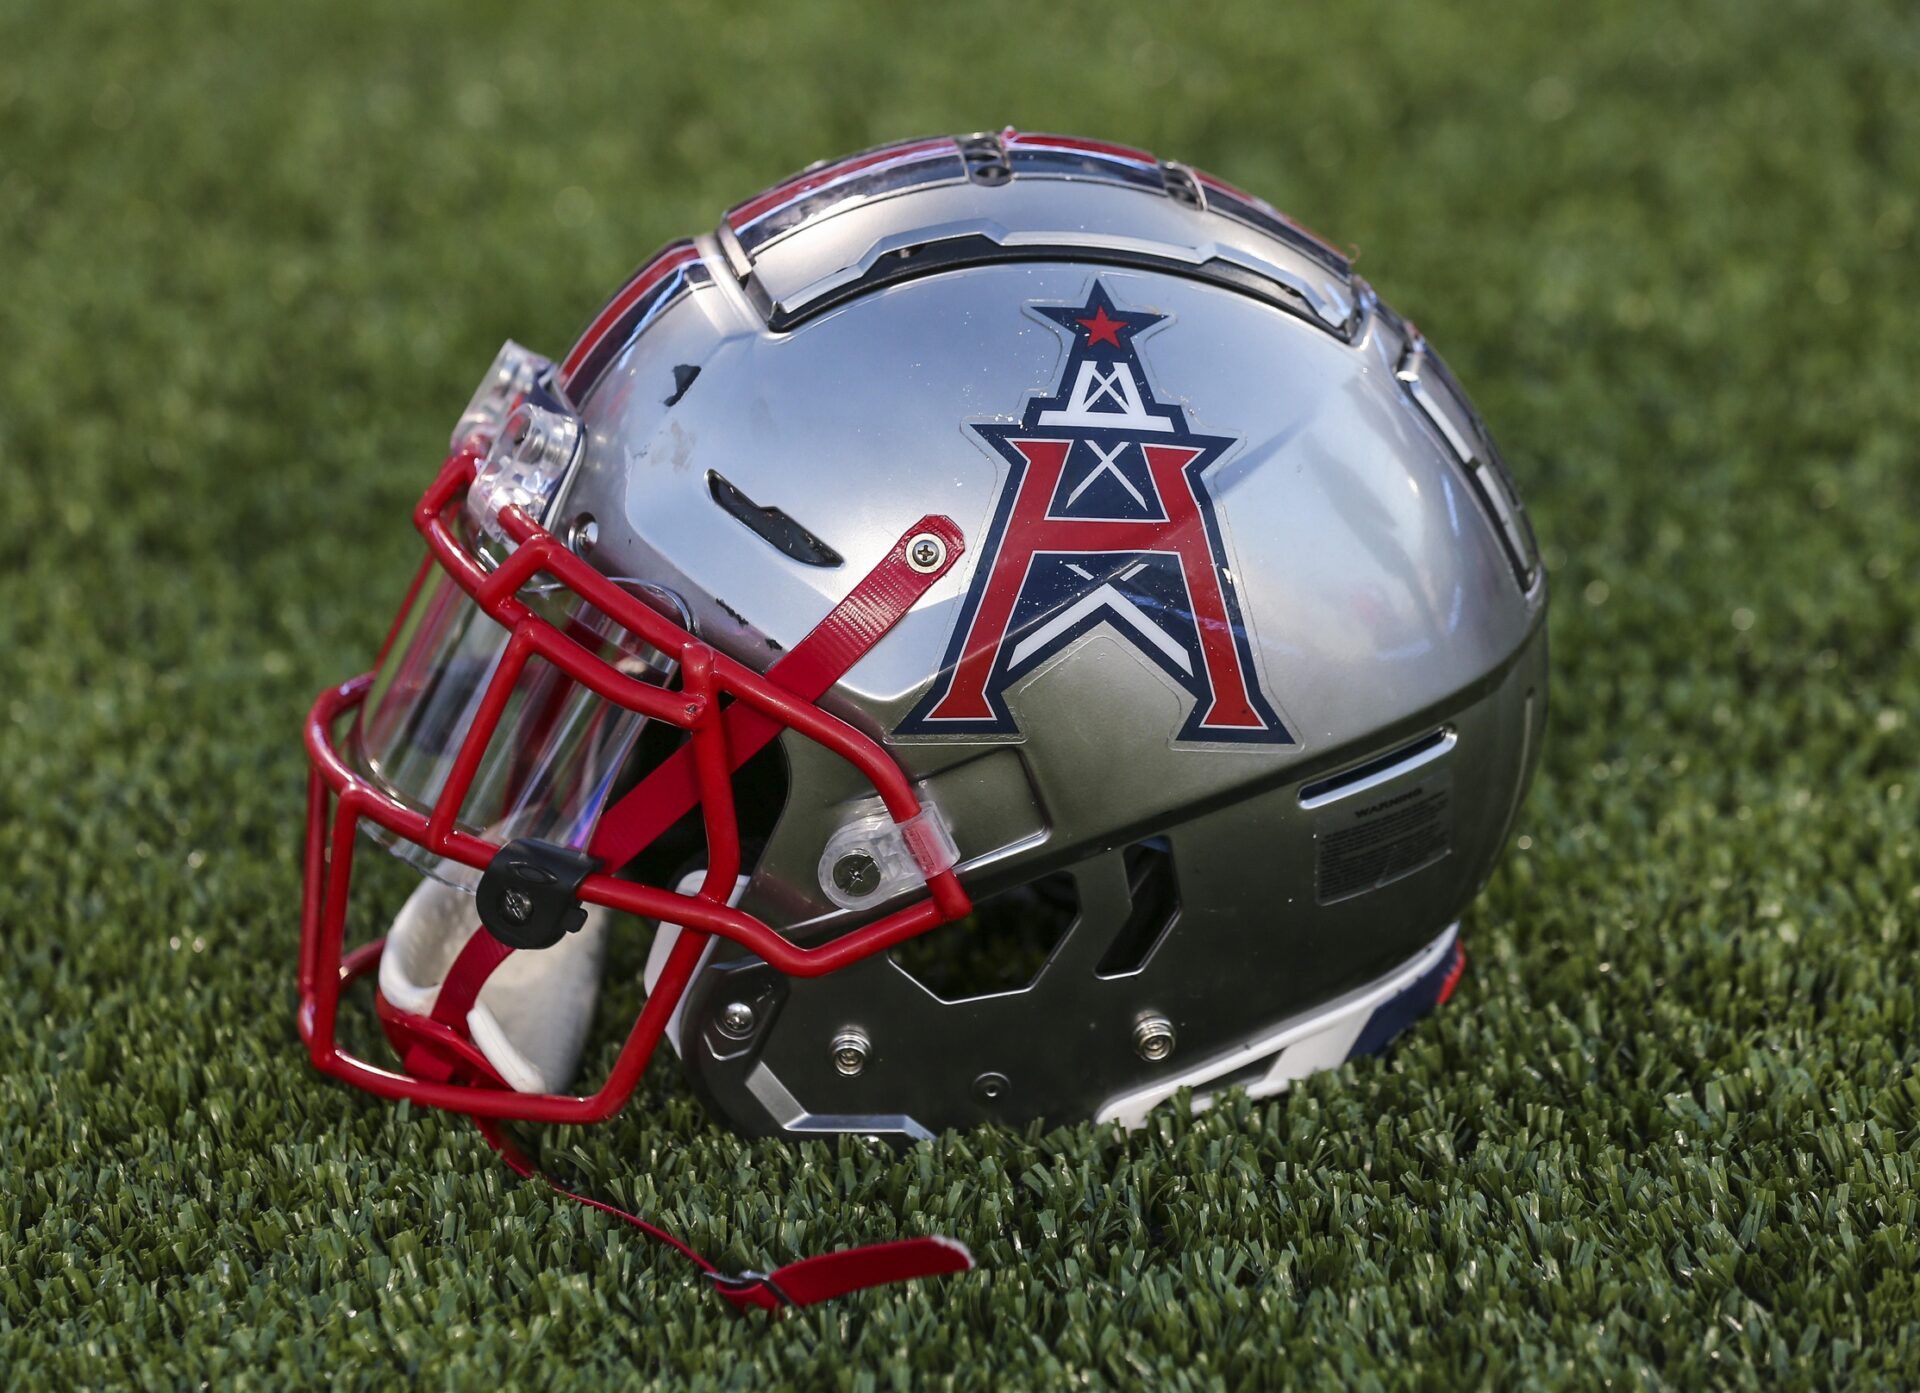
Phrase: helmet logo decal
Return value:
(1105, 518)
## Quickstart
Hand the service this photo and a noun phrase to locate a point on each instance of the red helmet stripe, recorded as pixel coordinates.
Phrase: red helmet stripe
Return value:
(669, 260)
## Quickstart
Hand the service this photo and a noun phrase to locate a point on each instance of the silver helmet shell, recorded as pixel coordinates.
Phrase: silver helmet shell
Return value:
(870, 344)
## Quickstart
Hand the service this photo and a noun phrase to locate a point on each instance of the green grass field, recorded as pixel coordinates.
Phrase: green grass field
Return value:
(252, 259)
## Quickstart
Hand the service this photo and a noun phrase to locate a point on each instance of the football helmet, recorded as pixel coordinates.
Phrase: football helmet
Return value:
(1020, 622)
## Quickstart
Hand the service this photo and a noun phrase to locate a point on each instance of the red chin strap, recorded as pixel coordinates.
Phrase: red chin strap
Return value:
(803, 1283)
(432, 1048)
(439, 1047)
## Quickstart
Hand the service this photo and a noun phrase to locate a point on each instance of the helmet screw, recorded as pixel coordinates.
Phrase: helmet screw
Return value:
(850, 1051)
(1153, 1038)
(736, 1018)
(583, 535)
(518, 904)
(926, 552)
(857, 874)
(990, 1087)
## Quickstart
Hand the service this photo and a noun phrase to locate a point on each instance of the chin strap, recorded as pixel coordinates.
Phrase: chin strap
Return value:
(803, 1283)
(431, 1048)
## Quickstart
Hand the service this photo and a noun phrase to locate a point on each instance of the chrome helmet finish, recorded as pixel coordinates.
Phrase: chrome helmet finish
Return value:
(1224, 681)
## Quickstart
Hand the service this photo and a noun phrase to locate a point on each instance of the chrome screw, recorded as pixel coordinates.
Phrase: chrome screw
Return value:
(518, 904)
(1153, 1038)
(736, 1018)
(584, 534)
(856, 874)
(925, 552)
(990, 1087)
(850, 1051)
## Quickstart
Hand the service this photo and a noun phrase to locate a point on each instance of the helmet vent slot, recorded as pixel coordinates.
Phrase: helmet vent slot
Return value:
(1156, 904)
(1435, 391)
(1378, 770)
(772, 525)
(1497, 501)
(1002, 947)
(950, 252)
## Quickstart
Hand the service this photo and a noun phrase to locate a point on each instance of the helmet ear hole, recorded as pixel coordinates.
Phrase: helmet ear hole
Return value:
(1002, 947)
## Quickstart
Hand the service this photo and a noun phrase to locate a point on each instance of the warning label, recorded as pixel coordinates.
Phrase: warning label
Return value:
(1381, 837)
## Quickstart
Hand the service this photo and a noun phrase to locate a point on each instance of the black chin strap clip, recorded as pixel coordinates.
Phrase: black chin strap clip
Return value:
(741, 1283)
(529, 895)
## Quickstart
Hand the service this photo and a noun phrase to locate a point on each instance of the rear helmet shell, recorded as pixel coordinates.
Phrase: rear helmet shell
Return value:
(1383, 592)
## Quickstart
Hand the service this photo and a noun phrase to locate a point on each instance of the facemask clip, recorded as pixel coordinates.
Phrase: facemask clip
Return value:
(529, 894)
(873, 858)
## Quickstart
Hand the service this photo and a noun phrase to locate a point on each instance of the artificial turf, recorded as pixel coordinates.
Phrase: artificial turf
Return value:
(253, 257)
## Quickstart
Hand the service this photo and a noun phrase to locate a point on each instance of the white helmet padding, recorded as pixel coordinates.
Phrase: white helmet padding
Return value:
(531, 1017)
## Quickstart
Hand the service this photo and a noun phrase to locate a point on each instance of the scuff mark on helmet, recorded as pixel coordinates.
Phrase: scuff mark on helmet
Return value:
(683, 377)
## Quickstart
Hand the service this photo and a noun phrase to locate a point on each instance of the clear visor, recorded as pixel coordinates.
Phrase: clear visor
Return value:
(554, 758)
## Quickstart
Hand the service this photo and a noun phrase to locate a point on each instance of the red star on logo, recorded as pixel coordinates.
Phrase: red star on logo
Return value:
(1102, 329)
